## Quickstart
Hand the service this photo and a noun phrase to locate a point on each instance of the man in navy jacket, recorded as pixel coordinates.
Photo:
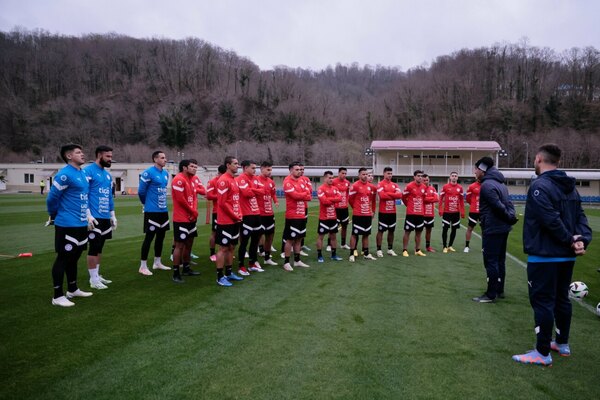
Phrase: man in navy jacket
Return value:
(497, 216)
(556, 230)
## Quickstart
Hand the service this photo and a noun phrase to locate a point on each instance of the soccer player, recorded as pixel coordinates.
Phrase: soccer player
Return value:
(308, 183)
(341, 208)
(555, 231)
(413, 198)
(185, 215)
(251, 228)
(497, 217)
(328, 196)
(361, 198)
(152, 192)
(67, 205)
(229, 219)
(102, 211)
(388, 192)
(430, 200)
(297, 194)
(265, 204)
(200, 191)
(451, 209)
(211, 194)
(473, 201)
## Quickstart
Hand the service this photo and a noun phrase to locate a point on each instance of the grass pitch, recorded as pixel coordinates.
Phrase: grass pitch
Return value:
(386, 329)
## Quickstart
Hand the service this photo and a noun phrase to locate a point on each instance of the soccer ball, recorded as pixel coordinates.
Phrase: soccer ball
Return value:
(578, 290)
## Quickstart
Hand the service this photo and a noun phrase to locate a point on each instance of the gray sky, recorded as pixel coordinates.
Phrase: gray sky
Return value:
(317, 33)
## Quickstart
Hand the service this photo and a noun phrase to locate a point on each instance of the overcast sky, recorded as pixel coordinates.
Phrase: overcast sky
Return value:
(317, 33)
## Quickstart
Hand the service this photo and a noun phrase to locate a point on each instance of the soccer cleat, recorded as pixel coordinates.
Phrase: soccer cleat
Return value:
(161, 266)
(345, 246)
(337, 258)
(451, 249)
(562, 349)
(303, 254)
(483, 299)
(177, 279)
(282, 255)
(391, 252)
(445, 250)
(171, 257)
(78, 293)
(62, 301)
(273, 249)
(420, 253)
(288, 267)
(270, 262)
(320, 259)
(194, 256)
(145, 271)
(261, 254)
(213, 258)
(301, 264)
(405, 253)
(328, 248)
(430, 249)
(104, 280)
(96, 284)
(224, 282)
(246, 255)
(379, 253)
(305, 248)
(466, 250)
(190, 272)
(243, 271)
(256, 268)
(351, 258)
(234, 277)
(533, 357)
(369, 257)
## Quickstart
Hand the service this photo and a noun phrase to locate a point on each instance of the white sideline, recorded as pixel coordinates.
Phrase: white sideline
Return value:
(523, 265)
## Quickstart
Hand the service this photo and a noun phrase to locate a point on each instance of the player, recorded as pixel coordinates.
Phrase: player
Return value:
(229, 219)
(361, 198)
(388, 193)
(67, 205)
(430, 200)
(265, 205)
(413, 198)
(102, 211)
(185, 215)
(328, 196)
(451, 209)
(152, 192)
(251, 228)
(341, 208)
(473, 201)
(297, 194)
(211, 194)
(308, 183)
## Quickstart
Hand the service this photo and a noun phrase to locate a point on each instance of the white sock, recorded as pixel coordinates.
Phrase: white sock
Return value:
(98, 269)
(157, 261)
(143, 264)
(93, 274)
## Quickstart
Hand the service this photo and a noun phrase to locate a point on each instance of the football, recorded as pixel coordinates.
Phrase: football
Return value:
(578, 290)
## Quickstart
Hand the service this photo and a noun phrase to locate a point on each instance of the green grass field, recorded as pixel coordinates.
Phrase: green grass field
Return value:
(388, 329)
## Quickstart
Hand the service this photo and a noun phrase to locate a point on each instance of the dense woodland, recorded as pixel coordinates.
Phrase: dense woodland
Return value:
(193, 97)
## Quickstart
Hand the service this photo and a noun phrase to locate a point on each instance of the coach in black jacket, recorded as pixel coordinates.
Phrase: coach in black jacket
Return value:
(555, 231)
(497, 216)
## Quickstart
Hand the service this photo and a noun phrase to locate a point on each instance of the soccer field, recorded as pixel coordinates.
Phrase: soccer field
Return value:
(393, 328)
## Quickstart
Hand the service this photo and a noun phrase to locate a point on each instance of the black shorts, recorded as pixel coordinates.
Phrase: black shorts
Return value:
(294, 229)
(361, 225)
(451, 219)
(156, 221)
(473, 219)
(429, 222)
(327, 226)
(414, 223)
(343, 217)
(214, 222)
(228, 235)
(386, 222)
(97, 236)
(70, 240)
(183, 231)
(251, 224)
(268, 224)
